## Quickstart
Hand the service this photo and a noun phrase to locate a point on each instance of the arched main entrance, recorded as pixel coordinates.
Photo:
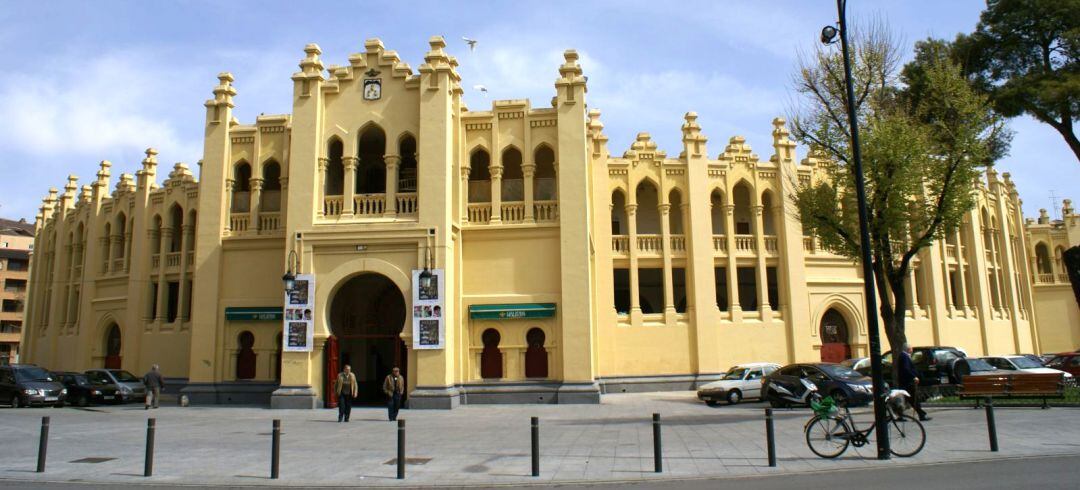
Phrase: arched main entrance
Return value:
(112, 347)
(834, 337)
(367, 315)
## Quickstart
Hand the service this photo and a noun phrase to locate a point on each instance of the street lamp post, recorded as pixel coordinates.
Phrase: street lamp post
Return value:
(828, 35)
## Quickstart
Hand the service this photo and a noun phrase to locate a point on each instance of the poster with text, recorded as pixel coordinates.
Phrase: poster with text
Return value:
(299, 315)
(428, 297)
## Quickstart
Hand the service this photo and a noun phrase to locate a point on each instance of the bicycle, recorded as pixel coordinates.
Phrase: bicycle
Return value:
(829, 434)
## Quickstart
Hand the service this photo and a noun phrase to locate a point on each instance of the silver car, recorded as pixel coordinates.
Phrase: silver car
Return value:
(131, 387)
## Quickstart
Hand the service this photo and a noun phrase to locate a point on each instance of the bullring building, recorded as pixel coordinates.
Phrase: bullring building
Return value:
(502, 255)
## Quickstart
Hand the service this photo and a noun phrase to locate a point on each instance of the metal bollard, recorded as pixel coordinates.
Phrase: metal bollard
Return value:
(148, 463)
(400, 449)
(535, 446)
(275, 450)
(43, 444)
(657, 447)
(991, 427)
(770, 437)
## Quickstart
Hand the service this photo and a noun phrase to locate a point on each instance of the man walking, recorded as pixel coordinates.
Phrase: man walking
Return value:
(154, 383)
(394, 387)
(346, 390)
(909, 381)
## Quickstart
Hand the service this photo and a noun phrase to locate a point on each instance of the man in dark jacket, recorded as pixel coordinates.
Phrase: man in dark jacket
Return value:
(154, 383)
(909, 381)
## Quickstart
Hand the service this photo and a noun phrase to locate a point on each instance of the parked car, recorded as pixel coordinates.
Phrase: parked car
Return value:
(934, 364)
(740, 382)
(84, 389)
(1068, 362)
(1024, 364)
(130, 387)
(23, 385)
(973, 366)
(1035, 358)
(842, 384)
(857, 363)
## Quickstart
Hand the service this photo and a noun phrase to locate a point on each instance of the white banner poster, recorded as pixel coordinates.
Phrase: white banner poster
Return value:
(428, 319)
(300, 315)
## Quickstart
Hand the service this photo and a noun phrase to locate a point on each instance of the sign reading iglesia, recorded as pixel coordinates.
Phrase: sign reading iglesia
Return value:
(427, 298)
(300, 314)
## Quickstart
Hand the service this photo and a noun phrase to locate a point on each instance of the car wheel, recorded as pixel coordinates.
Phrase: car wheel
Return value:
(734, 397)
(712, 403)
(18, 402)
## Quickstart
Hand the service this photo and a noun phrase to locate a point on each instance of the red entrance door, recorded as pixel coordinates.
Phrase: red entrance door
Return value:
(834, 337)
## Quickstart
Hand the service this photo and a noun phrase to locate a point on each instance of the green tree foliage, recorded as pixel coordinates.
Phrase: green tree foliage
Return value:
(925, 138)
(1025, 54)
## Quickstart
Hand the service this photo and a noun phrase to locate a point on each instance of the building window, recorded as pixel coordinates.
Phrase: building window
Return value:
(651, 290)
(772, 285)
(678, 286)
(622, 290)
(12, 306)
(173, 301)
(371, 169)
(513, 179)
(153, 300)
(491, 357)
(15, 285)
(334, 185)
(536, 362)
(545, 188)
(748, 297)
(720, 280)
(480, 176)
(245, 356)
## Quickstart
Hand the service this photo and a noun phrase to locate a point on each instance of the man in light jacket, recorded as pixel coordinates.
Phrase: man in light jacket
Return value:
(394, 387)
(154, 383)
(346, 390)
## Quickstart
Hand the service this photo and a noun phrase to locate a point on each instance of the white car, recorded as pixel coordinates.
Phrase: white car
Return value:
(740, 382)
(1025, 364)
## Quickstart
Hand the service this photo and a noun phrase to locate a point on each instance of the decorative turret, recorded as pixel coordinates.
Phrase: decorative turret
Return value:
(436, 64)
(693, 140)
(598, 140)
(1044, 218)
(644, 148)
(783, 146)
(147, 177)
(570, 78)
(125, 184)
(180, 174)
(101, 185)
(67, 200)
(738, 151)
(223, 95)
(1066, 208)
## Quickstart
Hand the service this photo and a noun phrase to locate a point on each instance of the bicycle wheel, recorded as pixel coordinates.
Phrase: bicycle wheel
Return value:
(827, 437)
(906, 436)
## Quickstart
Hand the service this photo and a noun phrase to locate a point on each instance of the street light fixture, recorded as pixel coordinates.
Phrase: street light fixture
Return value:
(828, 36)
(289, 279)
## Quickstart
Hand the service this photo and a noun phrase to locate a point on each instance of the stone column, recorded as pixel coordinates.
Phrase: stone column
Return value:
(166, 237)
(348, 206)
(665, 248)
(734, 308)
(465, 172)
(762, 278)
(635, 295)
(230, 184)
(496, 193)
(115, 251)
(69, 310)
(185, 245)
(284, 204)
(321, 205)
(256, 203)
(105, 252)
(127, 249)
(529, 169)
(393, 162)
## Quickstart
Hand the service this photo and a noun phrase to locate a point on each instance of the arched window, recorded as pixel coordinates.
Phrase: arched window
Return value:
(648, 212)
(113, 342)
(536, 359)
(241, 198)
(480, 176)
(155, 244)
(675, 213)
(245, 355)
(107, 252)
(334, 185)
(371, 169)
(545, 187)
(491, 365)
(119, 250)
(1059, 259)
(176, 223)
(1042, 259)
(512, 177)
(407, 170)
(768, 213)
(718, 212)
(740, 197)
(270, 199)
(618, 213)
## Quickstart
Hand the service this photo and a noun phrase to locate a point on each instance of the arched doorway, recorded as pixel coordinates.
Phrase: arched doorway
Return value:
(245, 355)
(112, 347)
(491, 357)
(536, 361)
(367, 315)
(834, 337)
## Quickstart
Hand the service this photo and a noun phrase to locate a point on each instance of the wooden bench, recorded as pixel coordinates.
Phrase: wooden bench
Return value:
(1019, 385)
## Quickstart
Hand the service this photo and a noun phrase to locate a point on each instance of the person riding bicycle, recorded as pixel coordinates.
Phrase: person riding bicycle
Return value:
(909, 381)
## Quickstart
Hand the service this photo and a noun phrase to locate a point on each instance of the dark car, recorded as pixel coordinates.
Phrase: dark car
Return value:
(84, 389)
(23, 385)
(1068, 362)
(130, 387)
(842, 384)
(934, 364)
(972, 366)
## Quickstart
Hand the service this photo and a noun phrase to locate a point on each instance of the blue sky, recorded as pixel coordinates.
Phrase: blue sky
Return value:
(91, 81)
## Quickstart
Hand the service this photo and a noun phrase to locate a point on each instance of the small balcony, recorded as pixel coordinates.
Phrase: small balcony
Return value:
(719, 243)
(745, 244)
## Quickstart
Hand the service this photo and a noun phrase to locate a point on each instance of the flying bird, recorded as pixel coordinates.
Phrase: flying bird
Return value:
(470, 42)
(480, 88)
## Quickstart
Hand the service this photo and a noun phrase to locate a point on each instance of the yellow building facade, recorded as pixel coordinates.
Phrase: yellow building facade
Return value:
(1056, 307)
(567, 271)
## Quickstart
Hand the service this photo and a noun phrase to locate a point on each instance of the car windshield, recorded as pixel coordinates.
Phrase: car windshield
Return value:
(124, 376)
(1025, 363)
(32, 374)
(735, 373)
(979, 365)
(81, 379)
(839, 372)
(99, 378)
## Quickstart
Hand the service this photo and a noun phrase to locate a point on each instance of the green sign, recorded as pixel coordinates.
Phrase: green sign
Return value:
(512, 311)
(253, 313)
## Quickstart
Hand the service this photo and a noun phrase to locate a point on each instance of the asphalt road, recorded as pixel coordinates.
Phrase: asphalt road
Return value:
(1045, 473)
